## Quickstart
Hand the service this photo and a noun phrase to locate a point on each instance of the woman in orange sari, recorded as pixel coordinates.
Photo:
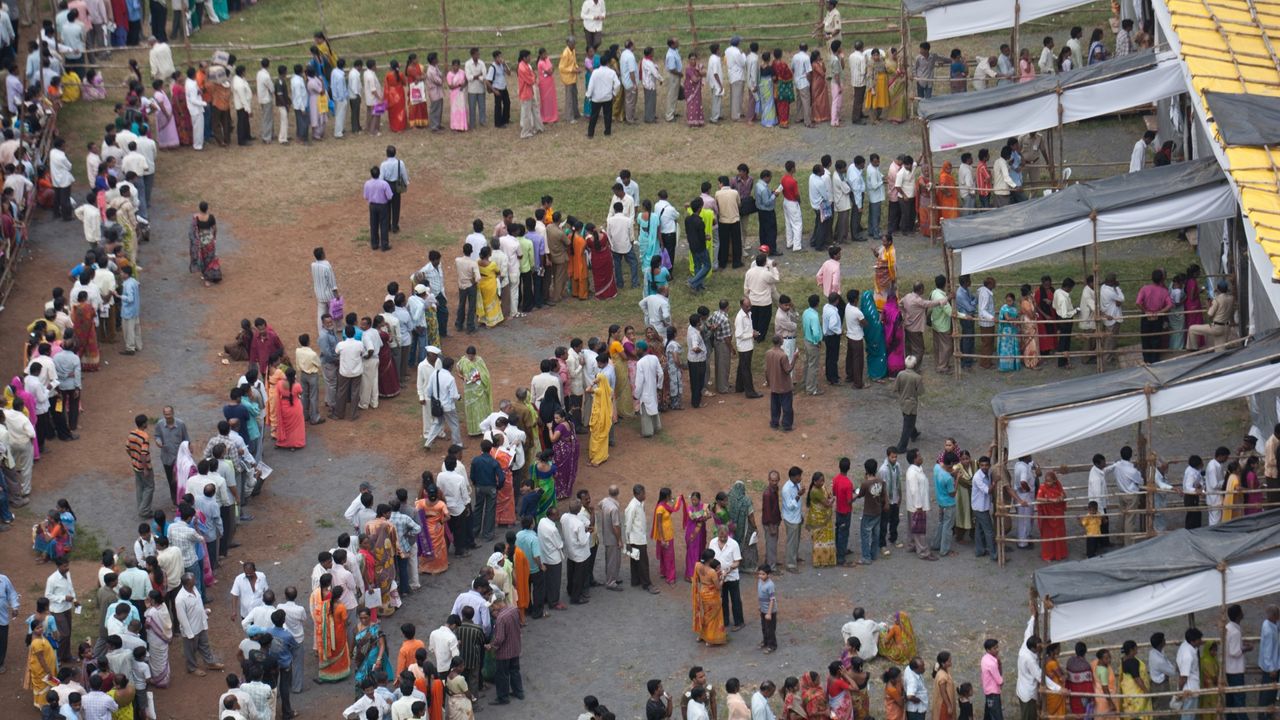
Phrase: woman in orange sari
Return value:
(414, 72)
(708, 615)
(578, 261)
(948, 195)
(331, 629)
(393, 88)
(84, 321)
(291, 427)
(275, 376)
(1055, 704)
(521, 565)
(1051, 506)
(820, 96)
(505, 508)
(433, 554)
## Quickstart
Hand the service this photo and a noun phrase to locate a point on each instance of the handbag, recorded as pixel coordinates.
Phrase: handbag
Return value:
(380, 108)
(400, 185)
(748, 206)
(437, 409)
(417, 92)
(919, 520)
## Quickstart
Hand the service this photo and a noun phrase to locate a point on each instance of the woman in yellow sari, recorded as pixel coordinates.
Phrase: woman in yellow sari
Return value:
(1209, 673)
(1233, 499)
(489, 309)
(878, 92)
(708, 615)
(886, 269)
(603, 415)
(1134, 683)
(42, 664)
(1055, 704)
(895, 64)
(821, 522)
(624, 403)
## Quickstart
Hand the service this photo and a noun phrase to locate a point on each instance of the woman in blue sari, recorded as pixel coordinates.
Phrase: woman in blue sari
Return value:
(873, 333)
(648, 240)
(57, 533)
(1007, 346)
(768, 112)
(370, 653)
(588, 64)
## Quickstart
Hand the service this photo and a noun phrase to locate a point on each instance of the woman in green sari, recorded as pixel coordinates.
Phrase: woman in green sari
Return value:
(877, 367)
(544, 480)
(371, 652)
(742, 520)
(899, 84)
(476, 390)
(821, 522)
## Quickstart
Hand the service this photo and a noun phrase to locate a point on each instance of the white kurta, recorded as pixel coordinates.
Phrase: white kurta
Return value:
(649, 378)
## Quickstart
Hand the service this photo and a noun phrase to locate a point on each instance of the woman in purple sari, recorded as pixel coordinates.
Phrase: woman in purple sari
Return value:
(564, 443)
(166, 124)
(894, 338)
(696, 515)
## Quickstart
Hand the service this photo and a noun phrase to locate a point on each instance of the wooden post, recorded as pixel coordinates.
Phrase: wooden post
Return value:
(822, 15)
(1013, 37)
(904, 36)
(693, 26)
(572, 25)
(320, 10)
(956, 355)
(997, 489)
(926, 154)
(1149, 470)
(444, 29)
(1099, 327)
(1222, 643)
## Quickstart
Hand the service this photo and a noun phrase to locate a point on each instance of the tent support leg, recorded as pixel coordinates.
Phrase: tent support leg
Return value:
(1013, 38)
(1149, 470)
(1099, 327)
(957, 355)
(1222, 647)
(998, 490)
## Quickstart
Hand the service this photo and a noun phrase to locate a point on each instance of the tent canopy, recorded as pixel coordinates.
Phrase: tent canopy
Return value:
(1048, 416)
(1123, 206)
(1245, 119)
(1166, 576)
(1002, 111)
(954, 18)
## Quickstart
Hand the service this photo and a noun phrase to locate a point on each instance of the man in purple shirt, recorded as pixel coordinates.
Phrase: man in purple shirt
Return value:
(378, 194)
(1154, 301)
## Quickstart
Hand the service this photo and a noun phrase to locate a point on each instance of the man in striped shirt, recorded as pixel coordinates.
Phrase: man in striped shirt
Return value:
(323, 283)
(506, 649)
(139, 448)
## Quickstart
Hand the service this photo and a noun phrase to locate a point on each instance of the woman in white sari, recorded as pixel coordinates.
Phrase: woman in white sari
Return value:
(159, 635)
(183, 468)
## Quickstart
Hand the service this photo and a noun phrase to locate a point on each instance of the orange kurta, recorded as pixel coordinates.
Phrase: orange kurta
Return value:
(522, 580)
(408, 654)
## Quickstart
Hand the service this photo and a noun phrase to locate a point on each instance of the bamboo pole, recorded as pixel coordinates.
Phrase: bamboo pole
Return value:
(1222, 646)
(1013, 37)
(1099, 327)
(444, 28)
(693, 26)
(1149, 470)
(320, 10)
(572, 25)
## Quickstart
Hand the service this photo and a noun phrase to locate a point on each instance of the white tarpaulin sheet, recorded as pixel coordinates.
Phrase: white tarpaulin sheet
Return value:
(1157, 601)
(1161, 215)
(978, 16)
(1079, 102)
(1055, 427)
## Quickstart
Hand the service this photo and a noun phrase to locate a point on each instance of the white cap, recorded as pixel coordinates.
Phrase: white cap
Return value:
(419, 289)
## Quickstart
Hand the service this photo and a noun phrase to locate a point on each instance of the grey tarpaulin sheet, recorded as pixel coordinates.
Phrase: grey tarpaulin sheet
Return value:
(1079, 200)
(1165, 557)
(1001, 95)
(1264, 348)
(1246, 119)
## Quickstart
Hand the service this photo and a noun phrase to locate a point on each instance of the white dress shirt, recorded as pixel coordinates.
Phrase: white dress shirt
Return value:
(635, 525)
(577, 540)
(443, 646)
(551, 542)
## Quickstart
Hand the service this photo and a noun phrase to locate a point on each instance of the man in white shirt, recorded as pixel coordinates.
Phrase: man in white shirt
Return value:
(1131, 485)
(1047, 64)
(1193, 484)
(736, 68)
(715, 82)
(61, 174)
(730, 557)
(601, 90)
(858, 79)
(350, 352)
(915, 496)
(195, 106)
(855, 355)
(456, 493)
(1110, 298)
(1138, 158)
(438, 387)
(914, 689)
(442, 644)
(1188, 662)
(650, 376)
(477, 87)
(744, 342)
(630, 69)
(821, 202)
(1215, 482)
(650, 77)
(593, 14)
(621, 233)
(968, 194)
(371, 95)
(552, 545)
(657, 310)
(1233, 664)
(635, 533)
(800, 69)
(266, 106)
(577, 550)
(1029, 676)
(355, 92)
(905, 182)
(1160, 669)
(242, 103)
(194, 627)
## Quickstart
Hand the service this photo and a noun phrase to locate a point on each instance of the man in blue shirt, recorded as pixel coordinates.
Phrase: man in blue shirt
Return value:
(766, 199)
(811, 326)
(675, 77)
(8, 602)
(792, 516)
(1268, 652)
(967, 310)
(527, 541)
(282, 648)
(486, 475)
(944, 488)
(130, 308)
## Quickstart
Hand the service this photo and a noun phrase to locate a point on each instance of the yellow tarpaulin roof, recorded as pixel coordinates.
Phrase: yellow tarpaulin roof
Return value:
(1231, 46)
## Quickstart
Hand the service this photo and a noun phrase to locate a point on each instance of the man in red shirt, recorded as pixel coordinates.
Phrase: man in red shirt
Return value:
(842, 488)
(265, 344)
(791, 207)
(1154, 301)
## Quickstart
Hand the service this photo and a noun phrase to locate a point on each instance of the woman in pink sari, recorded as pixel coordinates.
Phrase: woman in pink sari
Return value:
(546, 73)
(894, 337)
(181, 116)
(1193, 305)
(166, 124)
(696, 515)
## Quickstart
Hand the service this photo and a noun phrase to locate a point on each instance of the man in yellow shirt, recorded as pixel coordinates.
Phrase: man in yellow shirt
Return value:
(307, 362)
(569, 72)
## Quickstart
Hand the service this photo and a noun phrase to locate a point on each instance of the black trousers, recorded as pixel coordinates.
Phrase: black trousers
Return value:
(526, 291)
(579, 575)
(442, 314)
(460, 528)
(597, 109)
(640, 567)
(832, 346)
(669, 243)
(906, 215)
(821, 231)
(769, 630)
(730, 249)
(909, 432)
(379, 226)
(4, 643)
(1064, 343)
(697, 382)
(889, 519)
(395, 211)
(780, 411)
(62, 202)
(1152, 341)
(537, 593)
(355, 114)
(731, 598)
(243, 136)
(744, 383)
(506, 678)
(466, 309)
(501, 108)
(760, 315)
(768, 229)
(1194, 516)
(551, 575)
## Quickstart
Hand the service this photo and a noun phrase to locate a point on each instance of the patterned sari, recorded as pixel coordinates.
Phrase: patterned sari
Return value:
(370, 653)
(476, 391)
(433, 555)
(382, 538)
(708, 615)
(332, 651)
(84, 321)
(821, 524)
(159, 635)
(695, 535)
(566, 458)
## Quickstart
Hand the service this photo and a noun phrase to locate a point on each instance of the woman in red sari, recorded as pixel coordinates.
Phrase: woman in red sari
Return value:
(504, 514)
(181, 116)
(784, 79)
(393, 88)
(291, 430)
(388, 380)
(414, 72)
(925, 212)
(601, 263)
(1051, 506)
(84, 320)
(1047, 331)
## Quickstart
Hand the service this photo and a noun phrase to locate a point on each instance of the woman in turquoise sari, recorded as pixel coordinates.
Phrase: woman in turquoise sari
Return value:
(1007, 346)
(873, 333)
(220, 11)
(371, 649)
(544, 479)
(767, 111)
(648, 240)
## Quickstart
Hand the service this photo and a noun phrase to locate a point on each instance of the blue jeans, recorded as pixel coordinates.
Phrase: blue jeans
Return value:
(1236, 699)
(873, 220)
(631, 263)
(5, 513)
(701, 267)
(842, 536)
(869, 537)
(942, 536)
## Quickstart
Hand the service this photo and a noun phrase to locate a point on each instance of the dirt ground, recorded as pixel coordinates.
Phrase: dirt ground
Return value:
(275, 203)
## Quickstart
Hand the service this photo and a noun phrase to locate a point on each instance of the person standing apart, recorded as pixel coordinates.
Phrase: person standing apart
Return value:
(323, 284)
(908, 385)
(438, 395)
(394, 173)
(139, 449)
(674, 65)
(592, 15)
(378, 194)
(193, 623)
